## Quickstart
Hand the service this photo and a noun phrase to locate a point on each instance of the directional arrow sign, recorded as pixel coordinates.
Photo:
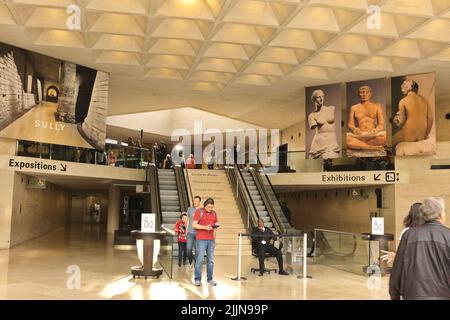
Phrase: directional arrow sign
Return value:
(63, 167)
(377, 177)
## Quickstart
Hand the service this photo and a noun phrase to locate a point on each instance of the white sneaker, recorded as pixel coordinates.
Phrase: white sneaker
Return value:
(212, 283)
(198, 283)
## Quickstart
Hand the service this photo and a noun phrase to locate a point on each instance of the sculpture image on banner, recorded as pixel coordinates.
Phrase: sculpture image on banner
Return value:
(366, 106)
(48, 100)
(413, 113)
(323, 122)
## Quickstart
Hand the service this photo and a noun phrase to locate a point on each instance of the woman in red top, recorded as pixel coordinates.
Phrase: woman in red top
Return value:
(181, 230)
(190, 162)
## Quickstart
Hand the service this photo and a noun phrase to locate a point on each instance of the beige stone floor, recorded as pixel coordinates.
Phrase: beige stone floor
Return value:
(37, 270)
(25, 128)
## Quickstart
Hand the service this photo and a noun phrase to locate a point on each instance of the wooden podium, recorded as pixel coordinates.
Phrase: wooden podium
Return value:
(147, 269)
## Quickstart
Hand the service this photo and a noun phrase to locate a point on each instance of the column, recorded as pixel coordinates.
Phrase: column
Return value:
(68, 93)
(113, 209)
(94, 126)
(6, 203)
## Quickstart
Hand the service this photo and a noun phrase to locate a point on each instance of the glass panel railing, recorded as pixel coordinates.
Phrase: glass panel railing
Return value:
(297, 162)
(167, 252)
(113, 155)
(296, 248)
(344, 251)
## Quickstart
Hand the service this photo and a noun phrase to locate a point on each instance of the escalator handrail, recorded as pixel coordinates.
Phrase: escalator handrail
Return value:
(189, 192)
(268, 203)
(262, 173)
(186, 191)
(247, 192)
(240, 198)
(181, 187)
(157, 196)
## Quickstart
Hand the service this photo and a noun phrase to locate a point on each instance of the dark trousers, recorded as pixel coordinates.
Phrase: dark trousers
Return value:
(272, 251)
(182, 252)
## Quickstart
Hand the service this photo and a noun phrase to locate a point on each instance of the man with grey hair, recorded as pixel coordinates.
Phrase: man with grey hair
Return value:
(421, 267)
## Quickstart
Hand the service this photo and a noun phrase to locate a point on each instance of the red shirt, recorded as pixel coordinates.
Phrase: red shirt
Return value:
(190, 163)
(207, 218)
(180, 228)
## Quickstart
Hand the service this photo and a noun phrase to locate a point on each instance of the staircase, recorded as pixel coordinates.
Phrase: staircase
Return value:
(257, 199)
(215, 184)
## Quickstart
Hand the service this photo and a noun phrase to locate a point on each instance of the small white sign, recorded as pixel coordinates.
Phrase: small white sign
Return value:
(378, 226)
(148, 222)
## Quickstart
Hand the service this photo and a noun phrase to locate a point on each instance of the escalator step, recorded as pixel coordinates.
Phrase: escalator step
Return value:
(171, 214)
(170, 208)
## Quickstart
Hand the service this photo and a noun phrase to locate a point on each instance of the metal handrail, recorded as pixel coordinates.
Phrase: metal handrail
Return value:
(169, 231)
(181, 187)
(342, 232)
(155, 193)
(188, 187)
(328, 246)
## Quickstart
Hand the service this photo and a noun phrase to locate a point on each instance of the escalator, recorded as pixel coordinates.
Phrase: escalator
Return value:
(170, 201)
(257, 200)
(241, 193)
(271, 200)
(173, 198)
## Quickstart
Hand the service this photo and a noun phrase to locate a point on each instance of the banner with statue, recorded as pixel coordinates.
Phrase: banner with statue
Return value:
(413, 114)
(323, 122)
(366, 122)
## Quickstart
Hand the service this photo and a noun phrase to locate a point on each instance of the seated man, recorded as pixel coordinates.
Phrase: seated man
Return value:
(264, 237)
(366, 123)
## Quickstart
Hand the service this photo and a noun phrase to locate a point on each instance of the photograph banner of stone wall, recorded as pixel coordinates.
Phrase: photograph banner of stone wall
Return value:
(413, 114)
(323, 122)
(48, 100)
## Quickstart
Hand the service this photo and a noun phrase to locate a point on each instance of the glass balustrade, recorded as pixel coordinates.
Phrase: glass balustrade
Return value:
(113, 155)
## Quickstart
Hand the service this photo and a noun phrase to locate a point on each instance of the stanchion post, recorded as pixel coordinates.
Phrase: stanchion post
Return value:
(239, 264)
(305, 255)
(305, 258)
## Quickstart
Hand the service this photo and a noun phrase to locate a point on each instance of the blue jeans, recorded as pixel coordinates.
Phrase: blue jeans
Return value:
(190, 245)
(201, 247)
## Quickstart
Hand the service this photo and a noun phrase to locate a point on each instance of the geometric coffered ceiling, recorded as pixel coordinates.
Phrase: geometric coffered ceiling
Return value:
(220, 46)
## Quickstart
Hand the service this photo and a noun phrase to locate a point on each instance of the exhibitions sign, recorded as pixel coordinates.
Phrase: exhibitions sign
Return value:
(413, 114)
(366, 112)
(148, 222)
(323, 125)
(352, 178)
(48, 100)
(361, 177)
